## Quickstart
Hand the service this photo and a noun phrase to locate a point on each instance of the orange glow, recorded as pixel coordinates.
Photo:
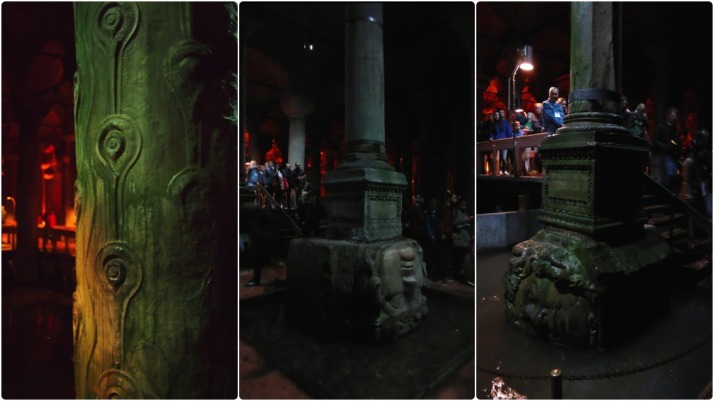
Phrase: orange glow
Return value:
(70, 218)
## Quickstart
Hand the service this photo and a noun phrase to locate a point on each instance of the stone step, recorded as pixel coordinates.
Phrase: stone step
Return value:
(676, 233)
(656, 208)
(665, 219)
(699, 264)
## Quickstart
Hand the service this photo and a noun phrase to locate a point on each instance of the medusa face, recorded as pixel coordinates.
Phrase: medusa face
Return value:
(402, 273)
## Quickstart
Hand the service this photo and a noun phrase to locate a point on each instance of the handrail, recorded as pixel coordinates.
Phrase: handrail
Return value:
(276, 205)
(493, 146)
(699, 219)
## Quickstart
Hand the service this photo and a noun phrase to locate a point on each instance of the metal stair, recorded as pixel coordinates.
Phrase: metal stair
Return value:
(690, 242)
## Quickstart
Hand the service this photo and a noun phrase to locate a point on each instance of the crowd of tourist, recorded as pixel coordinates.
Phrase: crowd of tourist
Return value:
(283, 187)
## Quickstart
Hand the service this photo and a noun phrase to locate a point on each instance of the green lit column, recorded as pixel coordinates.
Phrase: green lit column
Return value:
(573, 279)
(155, 306)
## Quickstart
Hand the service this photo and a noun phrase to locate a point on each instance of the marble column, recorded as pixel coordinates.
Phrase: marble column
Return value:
(155, 311)
(296, 107)
(576, 281)
(364, 281)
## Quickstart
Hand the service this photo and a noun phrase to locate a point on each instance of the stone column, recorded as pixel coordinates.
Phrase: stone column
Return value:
(364, 280)
(296, 107)
(156, 300)
(585, 190)
(574, 282)
(364, 194)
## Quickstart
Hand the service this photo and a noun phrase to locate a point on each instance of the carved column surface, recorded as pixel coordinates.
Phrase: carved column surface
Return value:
(156, 200)
(297, 108)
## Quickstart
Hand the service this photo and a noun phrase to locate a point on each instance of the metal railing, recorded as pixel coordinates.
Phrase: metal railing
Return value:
(489, 155)
(694, 217)
(263, 194)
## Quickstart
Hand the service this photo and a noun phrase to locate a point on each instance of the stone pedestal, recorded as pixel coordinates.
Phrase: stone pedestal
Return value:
(565, 287)
(594, 178)
(364, 204)
(341, 289)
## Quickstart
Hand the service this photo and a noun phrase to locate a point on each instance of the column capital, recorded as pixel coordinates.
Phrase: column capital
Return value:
(296, 105)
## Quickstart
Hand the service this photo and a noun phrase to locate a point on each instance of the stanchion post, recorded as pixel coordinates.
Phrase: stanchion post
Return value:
(556, 384)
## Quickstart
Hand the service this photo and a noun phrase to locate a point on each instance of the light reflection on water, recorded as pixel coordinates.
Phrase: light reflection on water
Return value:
(499, 391)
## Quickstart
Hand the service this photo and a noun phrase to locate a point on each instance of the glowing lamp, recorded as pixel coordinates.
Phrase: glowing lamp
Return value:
(525, 58)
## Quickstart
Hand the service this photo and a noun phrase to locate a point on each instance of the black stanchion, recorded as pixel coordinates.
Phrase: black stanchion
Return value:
(556, 384)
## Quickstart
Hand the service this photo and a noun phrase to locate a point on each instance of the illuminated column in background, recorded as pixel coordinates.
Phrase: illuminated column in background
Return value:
(155, 305)
(296, 108)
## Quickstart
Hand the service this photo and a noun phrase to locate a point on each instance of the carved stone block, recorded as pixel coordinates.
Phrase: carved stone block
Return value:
(371, 292)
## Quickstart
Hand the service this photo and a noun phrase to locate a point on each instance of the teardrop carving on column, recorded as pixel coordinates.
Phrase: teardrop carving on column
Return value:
(119, 144)
(117, 24)
(118, 384)
(120, 273)
(185, 67)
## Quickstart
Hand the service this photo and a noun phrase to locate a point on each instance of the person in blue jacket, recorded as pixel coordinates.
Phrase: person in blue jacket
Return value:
(553, 112)
(500, 129)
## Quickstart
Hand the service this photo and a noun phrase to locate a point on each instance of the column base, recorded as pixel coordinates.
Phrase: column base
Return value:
(572, 290)
(364, 204)
(364, 292)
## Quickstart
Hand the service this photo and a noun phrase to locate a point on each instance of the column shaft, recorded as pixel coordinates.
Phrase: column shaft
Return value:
(155, 305)
(364, 193)
(296, 144)
(364, 63)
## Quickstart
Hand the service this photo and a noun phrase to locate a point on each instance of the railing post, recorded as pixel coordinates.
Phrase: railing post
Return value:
(556, 384)
(517, 158)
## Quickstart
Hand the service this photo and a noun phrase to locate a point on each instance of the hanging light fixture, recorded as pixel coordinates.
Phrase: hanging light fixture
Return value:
(525, 61)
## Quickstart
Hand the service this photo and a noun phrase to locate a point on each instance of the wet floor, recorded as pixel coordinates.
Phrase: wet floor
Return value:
(670, 358)
(278, 361)
(37, 344)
